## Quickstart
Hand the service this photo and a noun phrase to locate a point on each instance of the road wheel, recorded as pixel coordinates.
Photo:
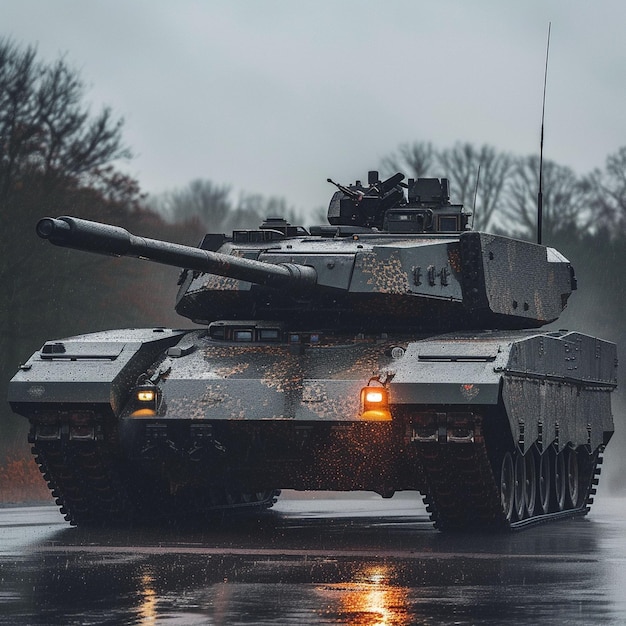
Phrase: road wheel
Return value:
(530, 488)
(507, 486)
(544, 481)
(559, 480)
(571, 468)
(520, 486)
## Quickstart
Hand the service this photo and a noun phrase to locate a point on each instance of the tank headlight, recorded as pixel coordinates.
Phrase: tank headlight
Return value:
(375, 404)
(374, 396)
(145, 401)
(146, 395)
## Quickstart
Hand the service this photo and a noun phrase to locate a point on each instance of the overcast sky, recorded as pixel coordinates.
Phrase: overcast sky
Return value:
(275, 96)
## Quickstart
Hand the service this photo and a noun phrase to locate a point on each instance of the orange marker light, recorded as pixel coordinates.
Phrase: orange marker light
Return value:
(145, 395)
(375, 404)
(374, 396)
(145, 401)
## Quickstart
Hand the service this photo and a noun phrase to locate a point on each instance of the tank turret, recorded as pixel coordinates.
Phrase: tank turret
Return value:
(418, 269)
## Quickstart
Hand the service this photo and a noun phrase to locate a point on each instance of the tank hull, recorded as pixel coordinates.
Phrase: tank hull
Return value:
(495, 429)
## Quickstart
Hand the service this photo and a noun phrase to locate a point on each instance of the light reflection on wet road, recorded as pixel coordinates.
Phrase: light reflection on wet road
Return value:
(365, 561)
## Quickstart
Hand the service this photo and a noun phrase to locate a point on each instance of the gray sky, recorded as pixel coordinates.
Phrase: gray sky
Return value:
(274, 96)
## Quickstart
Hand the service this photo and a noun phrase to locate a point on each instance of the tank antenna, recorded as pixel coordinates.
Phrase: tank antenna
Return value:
(543, 110)
(475, 194)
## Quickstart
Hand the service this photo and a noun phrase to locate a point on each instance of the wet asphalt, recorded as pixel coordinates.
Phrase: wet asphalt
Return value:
(324, 560)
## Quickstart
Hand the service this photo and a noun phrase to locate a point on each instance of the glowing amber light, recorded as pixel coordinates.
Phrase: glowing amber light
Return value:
(145, 395)
(374, 396)
(145, 402)
(375, 404)
(143, 413)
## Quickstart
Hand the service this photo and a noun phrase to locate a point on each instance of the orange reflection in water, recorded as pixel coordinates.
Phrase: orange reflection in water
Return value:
(147, 609)
(370, 599)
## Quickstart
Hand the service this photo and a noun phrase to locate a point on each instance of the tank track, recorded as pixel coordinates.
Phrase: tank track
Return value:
(464, 495)
(94, 486)
(85, 479)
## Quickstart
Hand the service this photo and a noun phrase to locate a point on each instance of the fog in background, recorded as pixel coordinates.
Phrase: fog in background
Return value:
(273, 97)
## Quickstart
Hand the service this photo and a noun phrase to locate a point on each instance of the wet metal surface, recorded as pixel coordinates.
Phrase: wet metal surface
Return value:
(360, 560)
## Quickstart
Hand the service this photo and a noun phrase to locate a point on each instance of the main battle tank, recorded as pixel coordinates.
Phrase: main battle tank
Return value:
(393, 349)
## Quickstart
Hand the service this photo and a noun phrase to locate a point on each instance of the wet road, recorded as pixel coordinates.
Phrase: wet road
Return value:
(363, 560)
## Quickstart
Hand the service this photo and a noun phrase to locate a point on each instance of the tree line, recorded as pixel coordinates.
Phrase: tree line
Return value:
(214, 208)
(501, 188)
(57, 156)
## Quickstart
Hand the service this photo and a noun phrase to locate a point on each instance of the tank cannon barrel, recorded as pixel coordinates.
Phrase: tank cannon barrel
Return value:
(72, 232)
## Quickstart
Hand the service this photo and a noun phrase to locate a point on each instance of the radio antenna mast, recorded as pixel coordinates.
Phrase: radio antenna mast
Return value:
(543, 110)
(475, 194)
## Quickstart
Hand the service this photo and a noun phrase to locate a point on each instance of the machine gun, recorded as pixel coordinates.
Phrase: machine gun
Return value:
(382, 206)
(365, 206)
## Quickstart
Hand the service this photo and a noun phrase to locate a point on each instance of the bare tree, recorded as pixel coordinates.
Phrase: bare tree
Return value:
(201, 199)
(608, 190)
(211, 204)
(460, 164)
(566, 200)
(419, 157)
(46, 129)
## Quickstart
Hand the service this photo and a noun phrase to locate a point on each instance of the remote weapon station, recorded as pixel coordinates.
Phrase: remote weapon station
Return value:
(393, 349)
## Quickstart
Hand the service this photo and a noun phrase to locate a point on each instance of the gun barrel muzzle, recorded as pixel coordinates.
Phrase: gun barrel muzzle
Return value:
(48, 227)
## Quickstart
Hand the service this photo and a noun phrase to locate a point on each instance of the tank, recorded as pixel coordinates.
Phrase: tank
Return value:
(392, 349)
